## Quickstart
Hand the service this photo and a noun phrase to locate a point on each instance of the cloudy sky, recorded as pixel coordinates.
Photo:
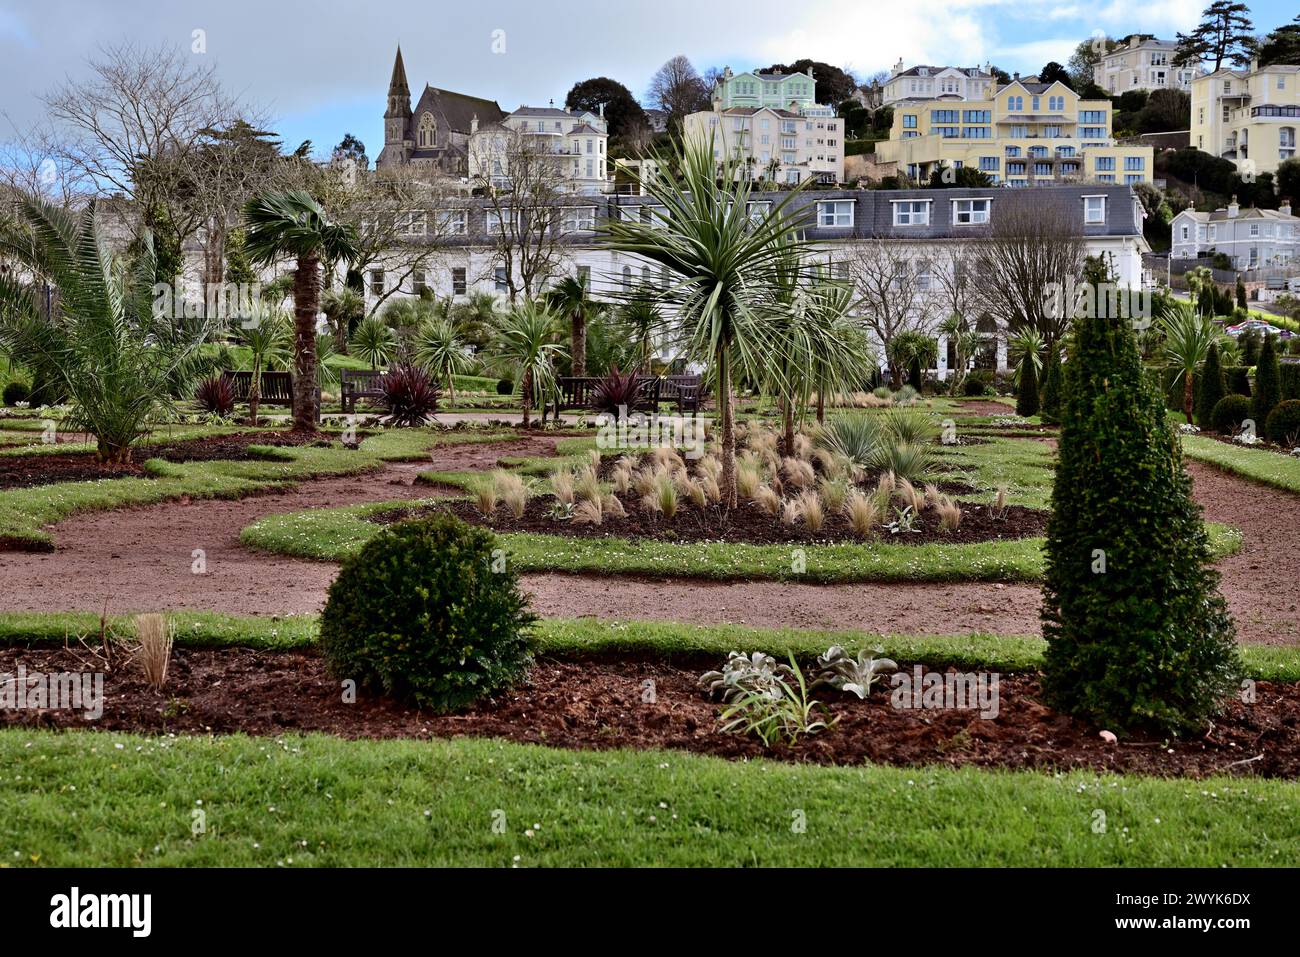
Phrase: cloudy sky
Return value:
(321, 67)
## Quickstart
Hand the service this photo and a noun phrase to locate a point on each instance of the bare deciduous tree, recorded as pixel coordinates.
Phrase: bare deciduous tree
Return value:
(525, 184)
(678, 90)
(893, 290)
(1028, 250)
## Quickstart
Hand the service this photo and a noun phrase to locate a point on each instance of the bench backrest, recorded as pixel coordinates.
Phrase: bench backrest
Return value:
(362, 381)
(275, 386)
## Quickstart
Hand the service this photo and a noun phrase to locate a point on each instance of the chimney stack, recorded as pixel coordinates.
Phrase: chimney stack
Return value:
(1233, 208)
(1285, 208)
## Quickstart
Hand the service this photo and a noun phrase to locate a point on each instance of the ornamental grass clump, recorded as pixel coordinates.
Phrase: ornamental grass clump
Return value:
(427, 612)
(1138, 634)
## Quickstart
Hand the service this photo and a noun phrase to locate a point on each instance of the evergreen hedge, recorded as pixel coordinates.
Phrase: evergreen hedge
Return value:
(1138, 634)
(1208, 387)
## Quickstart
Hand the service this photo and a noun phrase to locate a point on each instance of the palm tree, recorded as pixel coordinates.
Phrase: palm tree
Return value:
(1187, 337)
(1027, 348)
(293, 224)
(642, 320)
(268, 339)
(439, 348)
(525, 344)
(373, 341)
(103, 343)
(344, 307)
(965, 341)
(843, 358)
(568, 297)
(723, 262)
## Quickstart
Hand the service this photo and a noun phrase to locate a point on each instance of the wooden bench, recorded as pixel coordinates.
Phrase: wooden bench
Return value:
(576, 392)
(276, 387)
(686, 391)
(360, 384)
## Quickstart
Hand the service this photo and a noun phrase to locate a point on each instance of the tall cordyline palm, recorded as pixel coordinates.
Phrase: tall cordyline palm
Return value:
(439, 348)
(723, 266)
(568, 297)
(107, 347)
(525, 345)
(1187, 338)
(292, 223)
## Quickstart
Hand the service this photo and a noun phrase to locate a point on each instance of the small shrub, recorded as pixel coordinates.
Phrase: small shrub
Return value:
(215, 395)
(616, 393)
(978, 383)
(408, 395)
(1228, 414)
(505, 387)
(1283, 423)
(767, 499)
(421, 614)
(16, 392)
(839, 670)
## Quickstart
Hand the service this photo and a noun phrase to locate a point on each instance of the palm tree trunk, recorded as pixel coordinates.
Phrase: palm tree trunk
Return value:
(725, 409)
(579, 343)
(527, 391)
(1187, 395)
(895, 376)
(306, 306)
(787, 420)
(821, 405)
(254, 393)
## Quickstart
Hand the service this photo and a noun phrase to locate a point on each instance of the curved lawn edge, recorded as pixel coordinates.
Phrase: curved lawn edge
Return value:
(334, 534)
(420, 803)
(1259, 465)
(25, 511)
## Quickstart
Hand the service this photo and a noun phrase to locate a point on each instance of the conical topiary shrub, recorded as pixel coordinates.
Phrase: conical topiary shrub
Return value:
(1049, 407)
(1268, 383)
(1210, 387)
(1027, 391)
(1137, 632)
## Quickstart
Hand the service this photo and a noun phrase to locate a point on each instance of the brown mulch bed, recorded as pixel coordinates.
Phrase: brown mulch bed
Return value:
(27, 471)
(600, 703)
(748, 524)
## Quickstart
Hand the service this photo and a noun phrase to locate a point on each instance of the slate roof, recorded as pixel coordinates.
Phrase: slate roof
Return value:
(1221, 216)
(458, 109)
(935, 70)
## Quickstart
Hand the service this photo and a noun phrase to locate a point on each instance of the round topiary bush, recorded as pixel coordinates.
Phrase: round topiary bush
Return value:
(1283, 423)
(505, 387)
(16, 392)
(428, 613)
(1228, 414)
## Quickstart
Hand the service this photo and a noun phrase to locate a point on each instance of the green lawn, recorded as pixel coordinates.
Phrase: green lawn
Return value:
(589, 636)
(333, 534)
(24, 512)
(89, 799)
(1260, 465)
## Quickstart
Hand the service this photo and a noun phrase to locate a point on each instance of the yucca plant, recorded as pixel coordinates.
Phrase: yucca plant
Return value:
(408, 395)
(1187, 339)
(374, 342)
(525, 345)
(724, 267)
(855, 438)
(103, 343)
(439, 348)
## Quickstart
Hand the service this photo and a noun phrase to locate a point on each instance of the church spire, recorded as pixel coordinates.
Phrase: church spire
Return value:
(399, 94)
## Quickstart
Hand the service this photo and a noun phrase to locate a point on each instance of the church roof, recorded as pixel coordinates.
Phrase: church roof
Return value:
(458, 109)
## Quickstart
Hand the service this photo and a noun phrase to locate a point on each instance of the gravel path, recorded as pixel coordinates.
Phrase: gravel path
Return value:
(141, 559)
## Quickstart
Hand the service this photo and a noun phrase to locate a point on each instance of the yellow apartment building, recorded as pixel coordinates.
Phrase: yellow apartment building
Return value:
(1026, 134)
(1248, 116)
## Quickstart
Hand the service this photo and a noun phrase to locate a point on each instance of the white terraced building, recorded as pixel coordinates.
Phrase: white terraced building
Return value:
(1251, 238)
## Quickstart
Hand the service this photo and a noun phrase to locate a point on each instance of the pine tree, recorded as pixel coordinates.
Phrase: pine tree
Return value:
(1210, 387)
(1138, 635)
(1049, 409)
(1027, 391)
(1268, 383)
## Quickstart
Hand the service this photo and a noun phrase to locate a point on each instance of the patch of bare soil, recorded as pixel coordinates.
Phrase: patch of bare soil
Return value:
(601, 703)
(28, 471)
(748, 523)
